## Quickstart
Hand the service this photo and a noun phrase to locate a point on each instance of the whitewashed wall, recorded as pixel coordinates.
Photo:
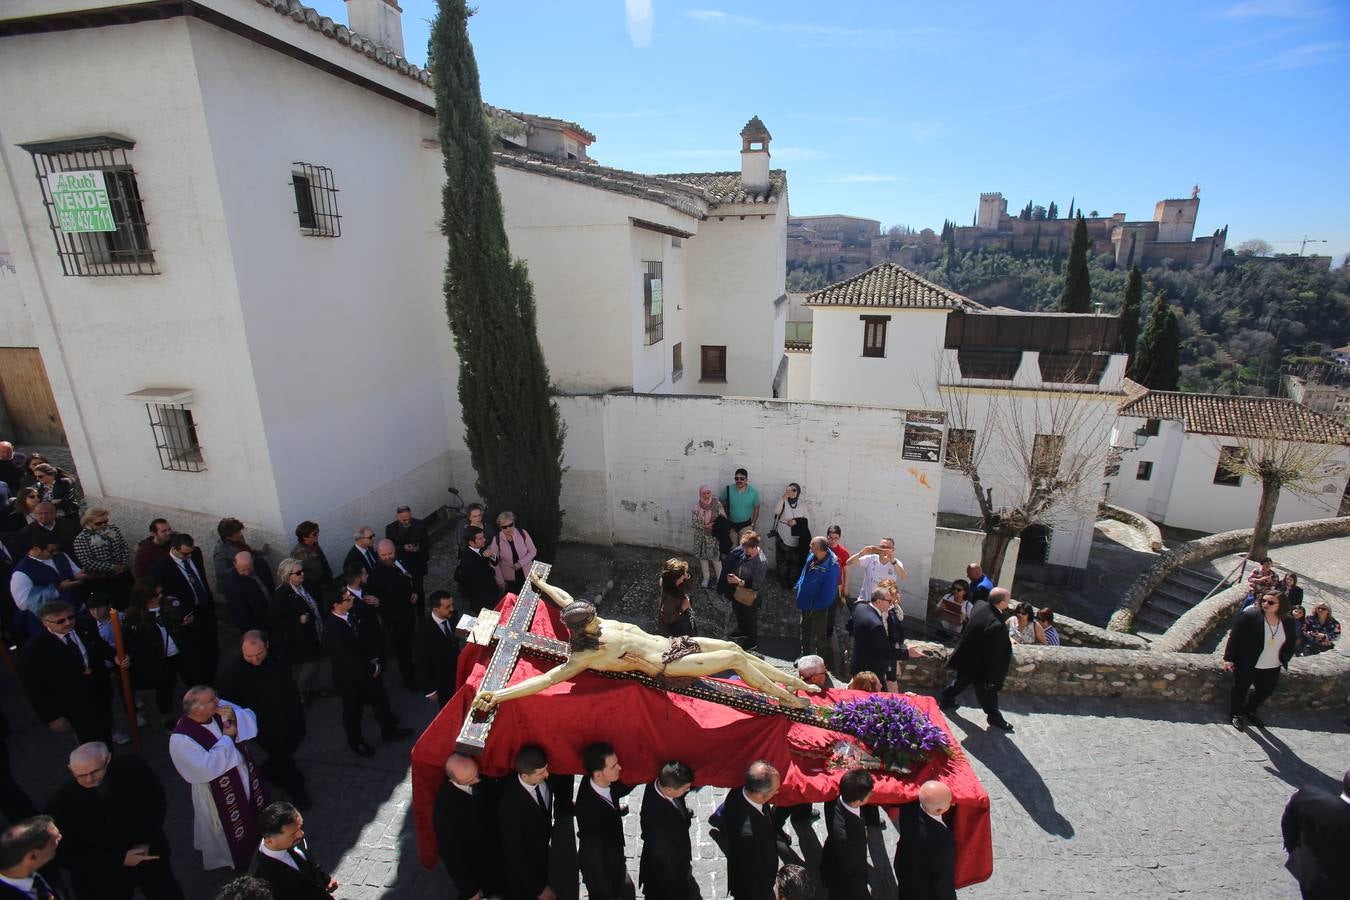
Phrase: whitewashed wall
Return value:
(634, 465)
(906, 376)
(955, 548)
(1182, 492)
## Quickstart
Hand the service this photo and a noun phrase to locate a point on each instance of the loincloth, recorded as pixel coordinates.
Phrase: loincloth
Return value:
(680, 647)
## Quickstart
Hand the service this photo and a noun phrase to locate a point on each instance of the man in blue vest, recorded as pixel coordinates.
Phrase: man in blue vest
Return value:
(43, 575)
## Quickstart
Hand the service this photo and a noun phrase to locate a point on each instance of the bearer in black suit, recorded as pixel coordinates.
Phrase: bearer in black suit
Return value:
(354, 645)
(843, 862)
(925, 858)
(248, 593)
(599, 813)
(982, 657)
(666, 868)
(476, 573)
(283, 859)
(111, 815)
(262, 681)
(872, 648)
(65, 674)
(182, 576)
(525, 825)
(362, 552)
(25, 848)
(742, 826)
(410, 535)
(466, 830)
(1316, 827)
(436, 649)
(399, 606)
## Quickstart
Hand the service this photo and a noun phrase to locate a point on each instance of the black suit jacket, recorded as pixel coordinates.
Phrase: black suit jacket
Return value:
(53, 881)
(466, 838)
(308, 883)
(270, 691)
(414, 533)
(872, 650)
(54, 677)
(351, 646)
(925, 858)
(299, 639)
(600, 840)
(247, 601)
(985, 649)
(750, 843)
(843, 861)
(355, 557)
(169, 577)
(435, 659)
(1316, 828)
(394, 589)
(477, 580)
(526, 828)
(666, 868)
(1246, 639)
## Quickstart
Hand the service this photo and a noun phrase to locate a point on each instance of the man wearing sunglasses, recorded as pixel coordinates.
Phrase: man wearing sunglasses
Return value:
(65, 674)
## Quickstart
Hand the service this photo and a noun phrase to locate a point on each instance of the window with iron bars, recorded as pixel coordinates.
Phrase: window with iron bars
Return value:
(175, 434)
(316, 200)
(653, 309)
(123, 248)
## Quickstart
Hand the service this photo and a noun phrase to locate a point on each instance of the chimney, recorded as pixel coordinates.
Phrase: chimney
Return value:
(755, 157)
(379, 20)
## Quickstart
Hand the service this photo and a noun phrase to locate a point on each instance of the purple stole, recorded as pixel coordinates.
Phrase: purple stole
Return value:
(240, 823)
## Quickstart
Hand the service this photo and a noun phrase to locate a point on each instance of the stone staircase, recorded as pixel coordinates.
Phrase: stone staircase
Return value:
(1176, 595)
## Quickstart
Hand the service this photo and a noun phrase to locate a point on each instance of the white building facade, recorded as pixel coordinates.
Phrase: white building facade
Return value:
(1012, 385)
(1171, 445)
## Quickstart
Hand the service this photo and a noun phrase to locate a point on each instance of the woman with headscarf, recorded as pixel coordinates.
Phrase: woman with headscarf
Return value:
(793, 534)
(706, 548)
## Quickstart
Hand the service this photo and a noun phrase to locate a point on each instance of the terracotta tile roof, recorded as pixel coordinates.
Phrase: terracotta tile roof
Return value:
(726, 187)
(889, 285)
(359, 43)
(1251, 417)
(680, 197)
(550, 120)
(797, 344)
(1132, 388)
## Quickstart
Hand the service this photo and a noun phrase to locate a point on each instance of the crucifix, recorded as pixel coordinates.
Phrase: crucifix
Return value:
(514, 637)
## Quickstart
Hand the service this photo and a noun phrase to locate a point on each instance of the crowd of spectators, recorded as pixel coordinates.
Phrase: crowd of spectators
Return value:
(1316, 630)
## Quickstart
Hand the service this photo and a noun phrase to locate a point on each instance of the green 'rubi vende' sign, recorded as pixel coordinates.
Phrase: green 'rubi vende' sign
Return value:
(81, 202)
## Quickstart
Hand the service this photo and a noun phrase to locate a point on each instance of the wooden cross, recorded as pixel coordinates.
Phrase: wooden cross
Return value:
(514, 636)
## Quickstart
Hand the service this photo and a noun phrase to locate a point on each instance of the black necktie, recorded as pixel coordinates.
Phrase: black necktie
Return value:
(539, 793)
(198, 590)
(41, 890)
(370, 559)
(74, 648)
(445, 628)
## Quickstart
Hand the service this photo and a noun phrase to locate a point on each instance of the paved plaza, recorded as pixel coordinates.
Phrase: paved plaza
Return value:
(1121, 798)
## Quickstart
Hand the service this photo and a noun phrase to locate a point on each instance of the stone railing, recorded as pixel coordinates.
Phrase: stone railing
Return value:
(1073, 633)
(1150, 531)
(1200, 621)
(1209, 547)
(1317, 682)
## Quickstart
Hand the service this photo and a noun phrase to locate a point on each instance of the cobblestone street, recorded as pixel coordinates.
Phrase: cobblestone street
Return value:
(1090, 796)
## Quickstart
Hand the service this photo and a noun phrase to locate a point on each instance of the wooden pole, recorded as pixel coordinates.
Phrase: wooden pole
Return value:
(125, 675)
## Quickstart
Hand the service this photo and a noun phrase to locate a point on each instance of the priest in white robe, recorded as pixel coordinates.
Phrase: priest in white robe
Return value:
(207, 750)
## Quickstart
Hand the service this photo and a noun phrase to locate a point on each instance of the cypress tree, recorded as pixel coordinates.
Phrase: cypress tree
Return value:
(1053, 211)
(1071, 199)
(1157, 360)
(516, 447)
(1077, 296)
(1129, 313)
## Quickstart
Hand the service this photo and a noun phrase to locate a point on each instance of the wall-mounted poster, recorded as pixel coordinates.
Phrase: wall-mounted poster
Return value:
(923, 436)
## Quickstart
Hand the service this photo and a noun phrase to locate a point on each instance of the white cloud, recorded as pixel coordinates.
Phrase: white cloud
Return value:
(639, 16)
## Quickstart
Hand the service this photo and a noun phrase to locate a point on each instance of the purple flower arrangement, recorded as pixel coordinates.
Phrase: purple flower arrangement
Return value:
(899, 734)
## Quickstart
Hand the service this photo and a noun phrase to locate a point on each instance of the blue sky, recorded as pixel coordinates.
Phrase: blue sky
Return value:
(905, 112)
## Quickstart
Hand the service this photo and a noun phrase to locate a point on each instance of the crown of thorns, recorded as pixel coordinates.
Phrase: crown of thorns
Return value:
(577, 613)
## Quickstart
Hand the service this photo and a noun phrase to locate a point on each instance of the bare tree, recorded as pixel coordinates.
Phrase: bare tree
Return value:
(1029, 455)
(1302, 468)
(1254, 247)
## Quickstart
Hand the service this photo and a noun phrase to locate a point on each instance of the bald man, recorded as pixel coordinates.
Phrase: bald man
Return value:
(264, 682)
(400, 604)
(111, 814)
(925, 858)
(248, 596)
(466, 830)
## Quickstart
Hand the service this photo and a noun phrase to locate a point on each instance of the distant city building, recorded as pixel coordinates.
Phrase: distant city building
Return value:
(1322, 388)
